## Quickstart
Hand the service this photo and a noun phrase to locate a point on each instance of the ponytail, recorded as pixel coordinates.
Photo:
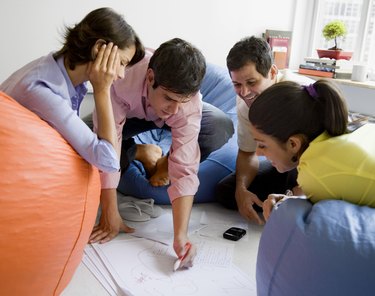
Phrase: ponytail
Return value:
(334, 107)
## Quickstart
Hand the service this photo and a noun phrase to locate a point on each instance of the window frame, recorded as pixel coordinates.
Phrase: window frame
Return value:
(359, 49)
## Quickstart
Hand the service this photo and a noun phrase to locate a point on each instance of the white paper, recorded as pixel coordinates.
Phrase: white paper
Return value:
(100, 272)
(160, 229)
(144, 267)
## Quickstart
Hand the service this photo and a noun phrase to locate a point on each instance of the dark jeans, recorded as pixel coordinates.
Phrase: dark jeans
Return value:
(267, 181)
(216, 129)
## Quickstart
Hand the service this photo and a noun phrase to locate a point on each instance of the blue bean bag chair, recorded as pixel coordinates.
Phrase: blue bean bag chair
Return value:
(216, 89)
(323, 249)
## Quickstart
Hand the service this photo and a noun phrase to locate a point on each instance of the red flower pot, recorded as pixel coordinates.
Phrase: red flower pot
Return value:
(334, 54)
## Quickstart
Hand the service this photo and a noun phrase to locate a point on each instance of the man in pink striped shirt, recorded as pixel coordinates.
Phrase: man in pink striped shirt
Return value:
(162, 91)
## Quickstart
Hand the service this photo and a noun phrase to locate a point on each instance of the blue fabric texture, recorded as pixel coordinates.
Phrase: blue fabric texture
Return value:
(216, 89)
(323, 249)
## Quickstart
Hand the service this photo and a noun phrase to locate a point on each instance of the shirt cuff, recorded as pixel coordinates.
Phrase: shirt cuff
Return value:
(110, 180)
(185, 186)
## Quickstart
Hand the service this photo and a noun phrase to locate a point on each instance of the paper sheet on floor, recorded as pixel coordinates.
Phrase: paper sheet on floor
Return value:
(160, 229)
(145, 267)
(100, 271)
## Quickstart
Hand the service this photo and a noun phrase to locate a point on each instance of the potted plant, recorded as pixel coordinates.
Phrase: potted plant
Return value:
(332, 31)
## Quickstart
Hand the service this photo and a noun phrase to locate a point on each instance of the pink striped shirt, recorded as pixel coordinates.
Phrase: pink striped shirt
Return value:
(129, 99)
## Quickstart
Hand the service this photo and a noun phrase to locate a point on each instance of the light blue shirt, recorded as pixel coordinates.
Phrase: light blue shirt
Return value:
(43, 86)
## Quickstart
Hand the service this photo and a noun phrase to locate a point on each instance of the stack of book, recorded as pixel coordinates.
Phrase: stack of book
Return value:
(280, 43)
(322, 67)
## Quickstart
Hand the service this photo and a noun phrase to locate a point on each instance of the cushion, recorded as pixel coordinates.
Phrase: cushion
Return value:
(222, 161)
(323, 249)
(49, 198)
(216, 89)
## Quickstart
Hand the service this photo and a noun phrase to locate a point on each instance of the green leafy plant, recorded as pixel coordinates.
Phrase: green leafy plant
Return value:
(334, 30)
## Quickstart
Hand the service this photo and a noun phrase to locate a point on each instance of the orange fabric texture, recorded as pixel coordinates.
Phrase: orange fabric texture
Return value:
(49, 198)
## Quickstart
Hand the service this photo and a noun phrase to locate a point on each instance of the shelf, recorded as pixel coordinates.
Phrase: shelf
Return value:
(366, 84)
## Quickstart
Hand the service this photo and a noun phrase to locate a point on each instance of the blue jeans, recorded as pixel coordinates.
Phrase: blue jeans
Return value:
(216, 129)
(267, 181)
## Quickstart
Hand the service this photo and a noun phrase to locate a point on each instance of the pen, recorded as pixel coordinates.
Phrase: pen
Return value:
(287, 194)
(179, 260)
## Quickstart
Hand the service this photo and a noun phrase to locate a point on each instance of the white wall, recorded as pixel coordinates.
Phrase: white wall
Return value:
(30, 29)
(360, 99)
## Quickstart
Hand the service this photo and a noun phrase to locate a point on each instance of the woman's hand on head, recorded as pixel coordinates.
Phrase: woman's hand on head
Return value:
(103, 70)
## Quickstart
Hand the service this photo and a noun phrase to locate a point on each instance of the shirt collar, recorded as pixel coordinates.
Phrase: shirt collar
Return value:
(76, 94)
(80, 90)
(149, 111)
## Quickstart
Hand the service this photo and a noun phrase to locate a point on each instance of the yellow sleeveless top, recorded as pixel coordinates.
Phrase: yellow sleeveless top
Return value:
(340, 167)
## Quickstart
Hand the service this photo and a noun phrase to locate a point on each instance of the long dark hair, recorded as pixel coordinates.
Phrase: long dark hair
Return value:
(286, 109)
(102, 23)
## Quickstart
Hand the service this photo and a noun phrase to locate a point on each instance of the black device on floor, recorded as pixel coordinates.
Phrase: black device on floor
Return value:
(234, 233)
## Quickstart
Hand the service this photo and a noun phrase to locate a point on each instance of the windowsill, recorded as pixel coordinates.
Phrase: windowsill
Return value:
(366, 84)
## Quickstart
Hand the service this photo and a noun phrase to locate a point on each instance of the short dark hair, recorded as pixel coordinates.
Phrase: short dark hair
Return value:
(287, 108)
(102, 23)
(251, 50)
(178, 66)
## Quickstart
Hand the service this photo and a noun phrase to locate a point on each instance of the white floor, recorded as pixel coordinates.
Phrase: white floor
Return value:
(84, 283)
(219, 219)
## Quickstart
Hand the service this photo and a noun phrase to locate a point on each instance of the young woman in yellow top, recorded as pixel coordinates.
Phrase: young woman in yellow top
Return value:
(307, 127)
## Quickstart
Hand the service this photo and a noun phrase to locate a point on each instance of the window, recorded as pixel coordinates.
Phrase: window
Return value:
(359, 17)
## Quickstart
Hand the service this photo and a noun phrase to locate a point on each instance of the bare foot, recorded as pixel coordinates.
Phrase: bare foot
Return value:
(160, 178)
(148, 154)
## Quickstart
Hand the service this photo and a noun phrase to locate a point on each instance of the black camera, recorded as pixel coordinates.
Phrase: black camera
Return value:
(234, 233)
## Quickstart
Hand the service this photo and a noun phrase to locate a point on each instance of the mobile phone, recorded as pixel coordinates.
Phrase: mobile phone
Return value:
(234, 233)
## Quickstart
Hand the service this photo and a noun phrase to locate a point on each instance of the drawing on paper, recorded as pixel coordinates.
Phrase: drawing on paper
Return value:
(145, 267)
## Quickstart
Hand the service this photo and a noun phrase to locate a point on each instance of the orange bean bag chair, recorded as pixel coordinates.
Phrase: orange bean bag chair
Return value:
(49, 198)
